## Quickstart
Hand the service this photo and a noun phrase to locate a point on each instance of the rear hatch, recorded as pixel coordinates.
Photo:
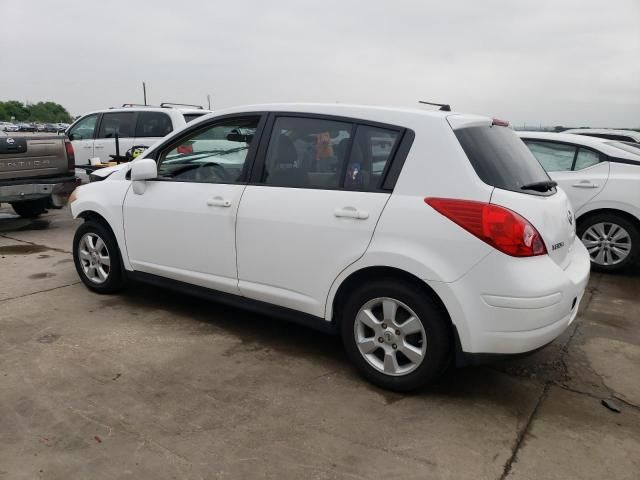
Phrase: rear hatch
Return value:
(26, 157)
(503, 161)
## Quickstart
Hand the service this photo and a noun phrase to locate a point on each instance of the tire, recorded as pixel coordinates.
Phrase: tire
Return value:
(596, 230)
(31, 208)
(384, 344)
(97, 258)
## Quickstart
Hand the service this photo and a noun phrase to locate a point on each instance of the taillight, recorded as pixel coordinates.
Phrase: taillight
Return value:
(498, 226)
(185, 149)
(71, 156)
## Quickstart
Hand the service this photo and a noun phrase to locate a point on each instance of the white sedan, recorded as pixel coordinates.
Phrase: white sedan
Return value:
(602, 179)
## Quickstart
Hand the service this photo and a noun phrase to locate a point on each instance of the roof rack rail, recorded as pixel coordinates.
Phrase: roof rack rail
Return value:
(443, 106)
(171, 104)
(137, 105)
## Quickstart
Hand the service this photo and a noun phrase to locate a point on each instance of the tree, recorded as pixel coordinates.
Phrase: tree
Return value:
(45, 112)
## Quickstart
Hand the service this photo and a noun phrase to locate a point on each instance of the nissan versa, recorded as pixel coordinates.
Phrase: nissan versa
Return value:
(422, 237)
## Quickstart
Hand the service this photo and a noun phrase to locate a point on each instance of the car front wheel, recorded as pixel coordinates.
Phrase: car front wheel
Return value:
(396, 335)
(97, 258)
(611, 240)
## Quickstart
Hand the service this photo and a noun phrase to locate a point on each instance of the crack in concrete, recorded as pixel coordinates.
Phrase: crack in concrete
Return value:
(545, 390)
(39, 291)
(523, 432)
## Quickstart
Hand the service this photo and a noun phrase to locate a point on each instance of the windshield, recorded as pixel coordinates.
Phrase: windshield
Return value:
(502, 160)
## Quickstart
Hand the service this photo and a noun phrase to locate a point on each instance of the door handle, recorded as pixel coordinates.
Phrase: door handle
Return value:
(96, 146)
(585, 184)
(351, 212)
(88, 146)
(218, 202)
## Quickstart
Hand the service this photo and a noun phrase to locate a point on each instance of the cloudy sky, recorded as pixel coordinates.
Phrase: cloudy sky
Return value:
(555, 62)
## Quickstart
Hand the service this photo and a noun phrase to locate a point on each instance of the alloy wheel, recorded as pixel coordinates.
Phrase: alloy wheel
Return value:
(607, 243)
(94, 258)
(390, 336)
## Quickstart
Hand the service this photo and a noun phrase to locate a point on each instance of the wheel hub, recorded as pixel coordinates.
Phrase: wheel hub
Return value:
(389, 336)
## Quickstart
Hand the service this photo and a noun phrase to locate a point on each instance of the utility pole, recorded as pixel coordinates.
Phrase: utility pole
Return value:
(209, 101)
(144, 92)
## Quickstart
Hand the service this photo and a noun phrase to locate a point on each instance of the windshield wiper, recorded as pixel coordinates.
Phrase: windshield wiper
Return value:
(543, 186)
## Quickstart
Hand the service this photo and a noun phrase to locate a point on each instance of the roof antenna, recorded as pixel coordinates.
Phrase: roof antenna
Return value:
(443, 106)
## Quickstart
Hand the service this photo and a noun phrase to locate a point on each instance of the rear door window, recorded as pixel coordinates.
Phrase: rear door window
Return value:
(371, 151)
(586, 158)
(121, 123)
(307, 153)
(192, 116)
(153, 124)
(553, 156)
(501, 159)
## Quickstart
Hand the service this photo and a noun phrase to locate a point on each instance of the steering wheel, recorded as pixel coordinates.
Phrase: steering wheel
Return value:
(205, 170)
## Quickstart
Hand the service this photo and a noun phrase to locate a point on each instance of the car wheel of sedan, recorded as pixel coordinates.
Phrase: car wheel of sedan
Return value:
(396, 336)
(97, 258)
(611, 240)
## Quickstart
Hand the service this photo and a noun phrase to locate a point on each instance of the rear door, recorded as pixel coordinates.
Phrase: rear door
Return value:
(122, 124)
(503, 161)
(311, 208)
(581, 172)
(82, 137)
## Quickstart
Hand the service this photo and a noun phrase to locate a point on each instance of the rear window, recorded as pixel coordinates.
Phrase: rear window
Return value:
(501, 159)
(192, 116)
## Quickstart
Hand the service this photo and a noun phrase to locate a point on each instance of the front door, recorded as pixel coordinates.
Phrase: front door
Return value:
(183, 225)
(82, 137)
(312, 208)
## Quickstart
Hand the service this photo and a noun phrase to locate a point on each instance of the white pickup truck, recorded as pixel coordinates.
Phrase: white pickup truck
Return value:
(36, 172)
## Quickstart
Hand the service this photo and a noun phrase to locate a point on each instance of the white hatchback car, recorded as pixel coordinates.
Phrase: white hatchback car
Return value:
(602, 179)
(422, 237)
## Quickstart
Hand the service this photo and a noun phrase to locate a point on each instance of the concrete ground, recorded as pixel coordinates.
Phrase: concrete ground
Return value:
(153, 384)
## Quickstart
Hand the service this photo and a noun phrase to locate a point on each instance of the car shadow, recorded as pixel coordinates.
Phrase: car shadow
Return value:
(10, 222)
(258, 332)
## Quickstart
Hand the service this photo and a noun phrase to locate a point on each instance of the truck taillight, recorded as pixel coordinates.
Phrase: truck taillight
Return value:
(500, 227)
(71, 156)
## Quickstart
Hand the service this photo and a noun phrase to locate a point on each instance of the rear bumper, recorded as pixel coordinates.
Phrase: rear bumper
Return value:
(58, 188)
(507, 305)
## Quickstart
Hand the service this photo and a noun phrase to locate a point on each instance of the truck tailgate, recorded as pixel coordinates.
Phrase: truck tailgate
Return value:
(25, 157)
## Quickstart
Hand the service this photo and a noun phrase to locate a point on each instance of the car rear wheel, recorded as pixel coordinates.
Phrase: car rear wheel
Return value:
(30, 208)
(97, 258)
(397, 336)
(611, 240)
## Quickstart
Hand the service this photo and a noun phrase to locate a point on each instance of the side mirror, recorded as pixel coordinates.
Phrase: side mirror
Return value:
(141, 170)
(144, 169)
